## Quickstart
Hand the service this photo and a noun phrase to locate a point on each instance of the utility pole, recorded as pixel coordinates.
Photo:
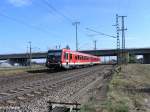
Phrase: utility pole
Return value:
(123, 29)
(30, 56)
(118, 40)
(95, 44)
(27, 49)
(117, 30)
(76, 25)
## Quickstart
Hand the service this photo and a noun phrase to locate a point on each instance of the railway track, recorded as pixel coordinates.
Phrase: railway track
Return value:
(16, 83)
(47, 83)
(35, 75)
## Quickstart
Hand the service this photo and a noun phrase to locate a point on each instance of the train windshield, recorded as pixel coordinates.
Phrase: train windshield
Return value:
(54, 55)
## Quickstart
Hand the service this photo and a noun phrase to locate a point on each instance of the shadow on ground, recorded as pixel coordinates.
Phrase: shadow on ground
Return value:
(45, 71)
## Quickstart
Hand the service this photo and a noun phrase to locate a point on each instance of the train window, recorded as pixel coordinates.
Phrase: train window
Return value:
(78, 57)
(66, 56)
(70, 56)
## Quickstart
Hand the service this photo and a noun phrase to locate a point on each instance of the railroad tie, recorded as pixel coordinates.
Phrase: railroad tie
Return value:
(5, 94)
(28, 87)
(43, 90)
(20, 89)
(21, 98)
(11, 101)
(30, 95)
(37, 92)
(12, 91)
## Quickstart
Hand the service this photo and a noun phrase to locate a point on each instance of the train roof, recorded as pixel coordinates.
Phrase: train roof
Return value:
(79, 53)
(55, 50)
(73, 52)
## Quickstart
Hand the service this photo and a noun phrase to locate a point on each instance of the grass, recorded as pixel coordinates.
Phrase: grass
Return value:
(90, 106)
(120, 106)
(87, 108)
(121, 100)
(18, 70)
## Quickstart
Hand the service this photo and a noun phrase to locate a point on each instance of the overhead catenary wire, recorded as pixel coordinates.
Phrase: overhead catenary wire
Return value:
(23, 23)
(57, 11)
(100, 33)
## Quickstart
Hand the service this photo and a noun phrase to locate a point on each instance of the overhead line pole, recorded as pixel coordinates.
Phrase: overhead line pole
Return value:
(118, 40)
(76, 25)
(123, 29)
(30, 57)
(117, 29)
(95, 43)
(95, 47)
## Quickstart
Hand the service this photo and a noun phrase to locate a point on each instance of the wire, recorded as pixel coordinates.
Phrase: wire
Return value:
(23, 23)
(100, 33)
(55, 10)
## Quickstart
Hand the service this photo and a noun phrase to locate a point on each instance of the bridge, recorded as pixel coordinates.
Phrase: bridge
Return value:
(23, 58)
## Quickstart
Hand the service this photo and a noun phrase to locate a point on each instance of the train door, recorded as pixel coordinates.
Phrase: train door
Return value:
(70, 58)
(66, 55)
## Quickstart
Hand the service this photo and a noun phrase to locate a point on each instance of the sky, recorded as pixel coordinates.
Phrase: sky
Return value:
(48, 23)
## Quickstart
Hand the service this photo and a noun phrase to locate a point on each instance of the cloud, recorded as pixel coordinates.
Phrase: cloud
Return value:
(19, 3)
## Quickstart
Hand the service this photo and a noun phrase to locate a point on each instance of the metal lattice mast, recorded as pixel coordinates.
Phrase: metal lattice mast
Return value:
(118, 40)
(123, 38)
(117, 29)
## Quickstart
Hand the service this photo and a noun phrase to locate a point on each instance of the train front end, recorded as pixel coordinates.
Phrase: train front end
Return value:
(53, 59)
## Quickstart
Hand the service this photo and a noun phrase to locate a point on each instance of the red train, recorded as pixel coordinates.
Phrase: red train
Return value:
(66, 58)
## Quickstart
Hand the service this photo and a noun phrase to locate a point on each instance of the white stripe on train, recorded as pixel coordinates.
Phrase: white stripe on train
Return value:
(79, 63)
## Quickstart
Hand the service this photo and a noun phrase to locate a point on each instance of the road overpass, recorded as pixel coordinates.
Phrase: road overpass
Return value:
(24, 57)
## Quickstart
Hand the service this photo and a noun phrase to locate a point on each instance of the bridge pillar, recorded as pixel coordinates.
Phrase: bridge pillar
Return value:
(20, 61)
(146, 58)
